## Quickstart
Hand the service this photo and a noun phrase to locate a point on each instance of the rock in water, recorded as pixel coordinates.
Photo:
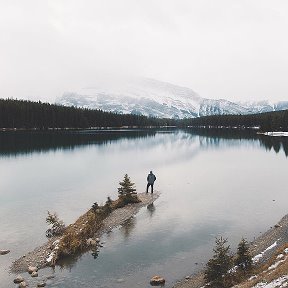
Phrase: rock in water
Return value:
(32, 269)
(157, 280)
(34, 274)
(4, 252)
(18, 279)
(41, 284)
(23, 284)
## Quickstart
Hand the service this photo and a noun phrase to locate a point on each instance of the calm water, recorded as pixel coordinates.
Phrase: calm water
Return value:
(210, 185)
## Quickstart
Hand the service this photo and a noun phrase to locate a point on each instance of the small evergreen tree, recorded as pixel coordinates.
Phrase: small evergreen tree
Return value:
(57, 226)
(95, 207)
(107, 207)
(219, 265)
(243, 259)
(127, 187)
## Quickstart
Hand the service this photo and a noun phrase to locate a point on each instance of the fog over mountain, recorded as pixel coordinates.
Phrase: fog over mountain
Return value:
(151, 97)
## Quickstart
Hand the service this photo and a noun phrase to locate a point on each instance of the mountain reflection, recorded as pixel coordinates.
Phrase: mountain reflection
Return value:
(14, 143)
(26, 142)
(228, 137)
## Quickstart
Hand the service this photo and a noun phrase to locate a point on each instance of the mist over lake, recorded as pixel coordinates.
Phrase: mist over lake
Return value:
(211, 184)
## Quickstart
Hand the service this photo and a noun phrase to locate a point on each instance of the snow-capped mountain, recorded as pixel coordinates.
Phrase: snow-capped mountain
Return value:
(150, 97)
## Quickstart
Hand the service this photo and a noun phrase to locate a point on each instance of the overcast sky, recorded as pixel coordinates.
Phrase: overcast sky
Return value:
(232, 49)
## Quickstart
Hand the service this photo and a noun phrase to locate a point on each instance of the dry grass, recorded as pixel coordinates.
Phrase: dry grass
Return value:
(74, 238)
(262, 272)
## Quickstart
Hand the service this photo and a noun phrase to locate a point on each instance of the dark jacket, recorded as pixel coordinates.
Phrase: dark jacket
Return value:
(151, 178)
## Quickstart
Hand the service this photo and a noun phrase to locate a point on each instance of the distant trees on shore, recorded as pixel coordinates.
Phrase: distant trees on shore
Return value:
(23, 114)
(29, 115)
(270, 121)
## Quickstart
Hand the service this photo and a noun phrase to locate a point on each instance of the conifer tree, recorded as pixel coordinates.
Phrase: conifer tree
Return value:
(219, 265)
(243, 259)
(126, 186)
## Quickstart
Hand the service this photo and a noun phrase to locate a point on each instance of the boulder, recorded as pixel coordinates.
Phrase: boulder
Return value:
(18, 279)
(157, 280)
(41, 284)
(4, 252)
(34, 274)
(32, 269)
(22, 284)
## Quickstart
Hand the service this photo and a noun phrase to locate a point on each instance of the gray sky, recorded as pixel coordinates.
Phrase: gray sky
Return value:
(232, 49)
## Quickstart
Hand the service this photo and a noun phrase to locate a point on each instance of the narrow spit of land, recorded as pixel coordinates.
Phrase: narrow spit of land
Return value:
(38, 257)
(262, 248)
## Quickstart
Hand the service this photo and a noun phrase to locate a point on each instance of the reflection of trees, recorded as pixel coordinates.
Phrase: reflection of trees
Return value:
(220, 137)
(95, 253)
(275, 143)
(127, 227)
(69, 262)
(285, 146)
(24, 142)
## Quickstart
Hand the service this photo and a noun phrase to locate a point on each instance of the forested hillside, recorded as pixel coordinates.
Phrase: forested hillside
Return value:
(28, 115)
(271, 121)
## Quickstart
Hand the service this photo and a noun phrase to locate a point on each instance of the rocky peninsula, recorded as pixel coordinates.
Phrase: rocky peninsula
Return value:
(45, 255)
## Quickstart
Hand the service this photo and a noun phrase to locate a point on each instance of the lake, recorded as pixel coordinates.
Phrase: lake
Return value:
(230, 184)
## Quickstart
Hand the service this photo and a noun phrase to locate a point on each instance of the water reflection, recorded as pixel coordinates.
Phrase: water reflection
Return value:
(127, 227)
(95, 253)
(13, 143)
(151, 209)
(26, 142)
(220, 137)
(207, 190)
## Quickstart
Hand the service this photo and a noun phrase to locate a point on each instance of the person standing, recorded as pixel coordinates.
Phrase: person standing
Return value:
(150, 179)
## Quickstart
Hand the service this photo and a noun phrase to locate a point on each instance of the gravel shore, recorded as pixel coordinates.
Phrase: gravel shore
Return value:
(38, 256)
(277, 235)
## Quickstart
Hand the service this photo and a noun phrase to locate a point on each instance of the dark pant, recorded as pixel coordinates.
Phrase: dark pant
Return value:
(149, 184)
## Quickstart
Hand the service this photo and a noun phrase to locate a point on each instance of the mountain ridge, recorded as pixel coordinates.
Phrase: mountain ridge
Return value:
(150, 97)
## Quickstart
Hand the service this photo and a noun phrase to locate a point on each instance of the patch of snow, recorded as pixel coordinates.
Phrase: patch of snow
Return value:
(256, 258)
(252, 277)
(233, 270)
(271, 246)
(275, 265)
(280, 256)
(50, 257)
(277, 134)
(286, 251)
(281, 282)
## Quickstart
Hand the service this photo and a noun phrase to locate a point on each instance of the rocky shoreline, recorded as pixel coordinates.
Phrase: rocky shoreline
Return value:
(262, 248)
(38, 257)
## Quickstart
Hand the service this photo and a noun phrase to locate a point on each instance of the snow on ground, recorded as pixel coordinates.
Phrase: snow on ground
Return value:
(276, 134)
(278, 283)
(256, 258)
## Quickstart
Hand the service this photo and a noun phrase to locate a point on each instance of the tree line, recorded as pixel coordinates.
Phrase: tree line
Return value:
(29, 115)
(269, 121)
(37, 115)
